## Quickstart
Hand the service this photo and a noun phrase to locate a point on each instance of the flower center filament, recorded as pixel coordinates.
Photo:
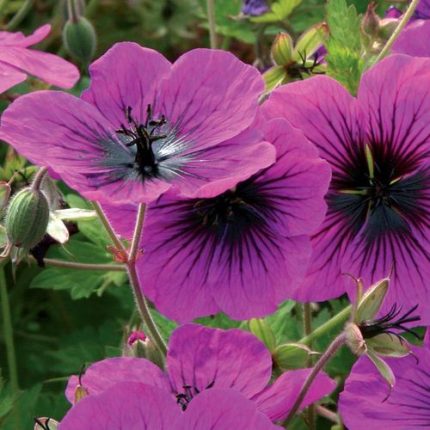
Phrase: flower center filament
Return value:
(142, 136)
(184, 398)
(390, 323)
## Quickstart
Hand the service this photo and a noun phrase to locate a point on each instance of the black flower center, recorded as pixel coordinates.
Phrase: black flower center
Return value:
(380, 190)
(231, 213)
(189, 392)
(142, 136)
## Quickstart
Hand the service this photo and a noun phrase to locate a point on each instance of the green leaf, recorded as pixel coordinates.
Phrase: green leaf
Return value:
(344, 57)
(281, 10)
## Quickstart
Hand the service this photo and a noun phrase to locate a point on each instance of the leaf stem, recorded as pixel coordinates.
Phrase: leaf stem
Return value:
(8, 339)
(329, 325)
(140, 219)
(85, 266)
(323, 360)
(212, 23)
(307, 323)
(20, 15)
(405, 19)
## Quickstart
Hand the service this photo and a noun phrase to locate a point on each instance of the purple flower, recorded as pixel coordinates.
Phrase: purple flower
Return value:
(255, 7)
(393, 12)
(414, 39)
(131, 405)
(242, 251)
(423, 10)
(145, 125)
(366, 401)
(378, 145)
(201, 360)
(16, 61)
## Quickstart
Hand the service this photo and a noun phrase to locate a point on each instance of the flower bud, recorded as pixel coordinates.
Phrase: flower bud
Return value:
(139, 345)
(262, 330)
(80, 393)
(389, 345)
(27, 218)
(79, 38)
(282, 49)
(371, 21)
(354, 339)
(291, 355)
(372, 300)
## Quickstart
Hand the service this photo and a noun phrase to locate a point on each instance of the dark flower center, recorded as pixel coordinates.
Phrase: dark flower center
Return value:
(302, 69)
(184, 398)
(142, 136)
(390, 323)
(380, 190)
(232, 213)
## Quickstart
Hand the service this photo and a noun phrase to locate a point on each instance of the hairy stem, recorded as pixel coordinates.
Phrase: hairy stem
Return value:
(8, 340)
(405, 19)
(85, 266)
(328, 326)
(38, 178)
(319, 365)
(212, 23)
(20, 15)
(118, 244)
(140, 219)
(307, 323)
(327, 414)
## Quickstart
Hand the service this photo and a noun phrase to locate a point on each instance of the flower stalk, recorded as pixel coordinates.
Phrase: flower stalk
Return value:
(84, 266)
(402, 24)
(320, 364)
(212, 23)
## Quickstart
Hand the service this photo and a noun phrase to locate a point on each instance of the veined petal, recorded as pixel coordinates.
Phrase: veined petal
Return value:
(9, 77)
(277, 399)
(19, 39)
(413, 40)
(202, 358)
(103, 375)
(126, 405)
(218, 409)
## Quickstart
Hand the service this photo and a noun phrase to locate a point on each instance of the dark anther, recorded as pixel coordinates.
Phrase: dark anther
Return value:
(143, 136)
(45, 425)
(388, 323)
(298, 70)
(183, 399)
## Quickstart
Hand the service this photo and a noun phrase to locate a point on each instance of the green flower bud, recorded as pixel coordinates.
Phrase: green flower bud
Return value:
(372, 300)
(291, 356)
(27, 218)
(371, 21)
(282, 49)
(4, 194)
(262, 330)
(389, 345)
(79, 38)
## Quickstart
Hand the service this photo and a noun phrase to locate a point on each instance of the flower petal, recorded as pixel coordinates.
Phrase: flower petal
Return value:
(201, 357)
(413, 40)
(127, 405)
(367, 402)
(9, 77)
(45, 66)
(210, 96)
(217, 409)
(18, 39)
(277, 400)
(125, 76)
(102, 375)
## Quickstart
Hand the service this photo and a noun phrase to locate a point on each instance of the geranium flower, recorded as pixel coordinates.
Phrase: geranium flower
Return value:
(145, 125)
(242, 251)
(365, 403)
(201, 359)
(17, 61)
(254, 7)
(131, 405)
(378, 145)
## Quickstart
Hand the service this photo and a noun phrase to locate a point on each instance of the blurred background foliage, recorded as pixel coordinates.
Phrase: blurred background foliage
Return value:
(64, 319)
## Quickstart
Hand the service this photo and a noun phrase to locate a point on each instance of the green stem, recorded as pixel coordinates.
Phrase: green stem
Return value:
(3, 4)
(8, 333)
(85, 266)
(143, 307)
(328, 326)
(118, 244)
(140, 218)
(38, 178)
(307, 322)
(319, 365)
(212, 23)
(405, 19)
(20, 15)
